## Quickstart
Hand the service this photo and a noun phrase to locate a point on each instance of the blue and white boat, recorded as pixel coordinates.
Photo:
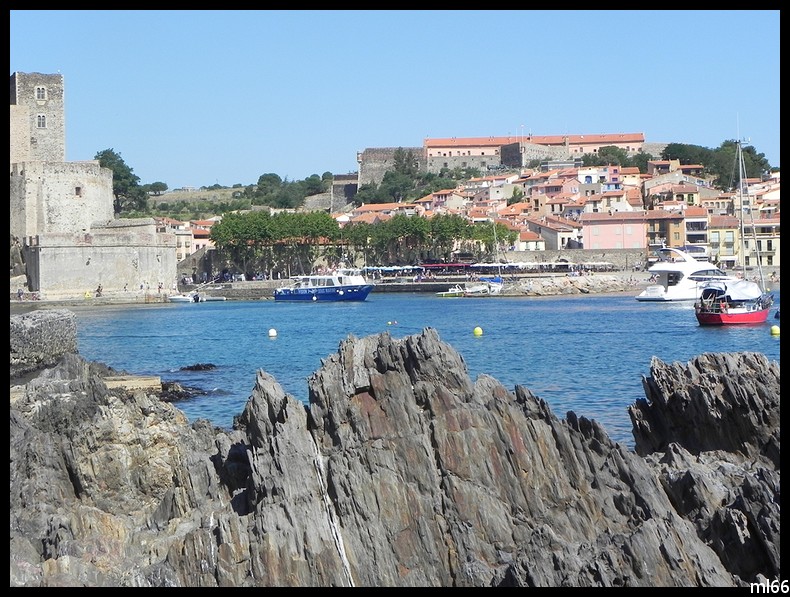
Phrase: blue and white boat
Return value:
(343, 284)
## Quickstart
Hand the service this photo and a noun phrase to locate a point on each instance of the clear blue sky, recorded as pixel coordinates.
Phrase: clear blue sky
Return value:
(194, 98)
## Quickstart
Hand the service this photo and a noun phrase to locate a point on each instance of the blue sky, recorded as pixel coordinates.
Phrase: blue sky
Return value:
(195, 98)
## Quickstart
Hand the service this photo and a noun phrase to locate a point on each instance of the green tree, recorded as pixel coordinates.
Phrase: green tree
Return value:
(127, 192)
(313, 185)
(394, 187)
(640, 161)
(406, 162)
(687, 154)
(157, 188)
(614, 155)
(445, 231)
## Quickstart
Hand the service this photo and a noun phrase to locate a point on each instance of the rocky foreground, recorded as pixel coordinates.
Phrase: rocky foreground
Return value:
(402, 471)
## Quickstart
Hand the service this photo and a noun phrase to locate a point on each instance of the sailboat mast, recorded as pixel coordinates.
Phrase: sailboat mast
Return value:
(743, 187)
(496, 248)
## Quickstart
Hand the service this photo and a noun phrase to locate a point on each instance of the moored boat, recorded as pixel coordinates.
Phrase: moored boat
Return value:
(740, 301)
(194, 297)
(344, 284)
(680, 277)
(485, 286)
(730, 303)
(453, 291)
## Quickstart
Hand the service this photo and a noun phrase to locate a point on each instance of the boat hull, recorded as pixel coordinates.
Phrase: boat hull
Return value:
(486, 289)
(324, 294)
(454, 292)
(737, 318)
(192, 298)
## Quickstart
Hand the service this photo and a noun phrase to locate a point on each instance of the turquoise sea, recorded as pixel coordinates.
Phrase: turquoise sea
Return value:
(583, 353)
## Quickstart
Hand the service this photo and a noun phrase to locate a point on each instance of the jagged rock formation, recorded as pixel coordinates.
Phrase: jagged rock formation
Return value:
(402, 471)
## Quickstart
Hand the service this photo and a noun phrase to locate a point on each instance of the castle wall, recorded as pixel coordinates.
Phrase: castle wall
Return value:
(19, 118)
(122, 252)
(654, 149)
(50, 197)
(374, 162)
(533, 151)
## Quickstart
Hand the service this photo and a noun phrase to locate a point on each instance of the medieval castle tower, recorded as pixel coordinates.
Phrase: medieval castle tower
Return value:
(62, 212)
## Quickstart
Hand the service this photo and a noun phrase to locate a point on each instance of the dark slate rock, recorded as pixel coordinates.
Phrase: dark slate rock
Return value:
(199, 367)
(401, 471)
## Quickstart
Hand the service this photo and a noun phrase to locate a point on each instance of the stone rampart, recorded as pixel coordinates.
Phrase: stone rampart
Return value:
(376, 161)
(58, 197)
(114, 254)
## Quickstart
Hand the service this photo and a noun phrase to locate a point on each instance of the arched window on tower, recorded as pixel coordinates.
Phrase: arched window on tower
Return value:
(41, 121)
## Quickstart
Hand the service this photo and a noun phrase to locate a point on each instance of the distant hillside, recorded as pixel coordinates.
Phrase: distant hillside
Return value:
(214, 195)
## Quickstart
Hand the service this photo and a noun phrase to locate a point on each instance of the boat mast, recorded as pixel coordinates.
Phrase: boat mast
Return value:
(743, 187)
(496, 247)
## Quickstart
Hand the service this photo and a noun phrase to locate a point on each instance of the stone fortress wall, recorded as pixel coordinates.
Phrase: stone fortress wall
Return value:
(375, 161)
(58, 197)
(120, 253)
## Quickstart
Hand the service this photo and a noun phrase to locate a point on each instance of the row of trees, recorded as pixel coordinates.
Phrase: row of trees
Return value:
(295, 242)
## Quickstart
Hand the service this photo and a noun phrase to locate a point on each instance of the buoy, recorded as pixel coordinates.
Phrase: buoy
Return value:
(389, 323)
(478, 331)
(774, 330)
(315, 298)
(272, 333)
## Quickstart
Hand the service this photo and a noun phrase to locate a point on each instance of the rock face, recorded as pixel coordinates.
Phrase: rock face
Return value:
(40, 338)
(402, 471)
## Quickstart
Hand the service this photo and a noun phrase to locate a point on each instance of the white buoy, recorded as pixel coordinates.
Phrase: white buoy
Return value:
(272, 333)
(315, 298)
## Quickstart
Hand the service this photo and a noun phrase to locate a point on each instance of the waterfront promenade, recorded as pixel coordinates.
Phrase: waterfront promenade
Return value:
(538, 284)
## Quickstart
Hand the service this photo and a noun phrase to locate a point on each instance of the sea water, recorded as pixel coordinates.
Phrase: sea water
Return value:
(581, 353)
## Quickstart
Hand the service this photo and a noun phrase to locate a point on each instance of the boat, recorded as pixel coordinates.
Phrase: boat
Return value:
(728, 303)
(741, 301)
(485, 286)
(342, 284)
(453, 291)
(488, 285)
(679, 276)
(194, 297)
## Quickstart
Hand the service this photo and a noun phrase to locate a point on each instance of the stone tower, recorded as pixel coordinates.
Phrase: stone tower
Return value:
(38, 123)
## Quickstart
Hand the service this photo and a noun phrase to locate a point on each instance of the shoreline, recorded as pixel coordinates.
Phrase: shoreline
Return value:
(541, 285)
(528, 286)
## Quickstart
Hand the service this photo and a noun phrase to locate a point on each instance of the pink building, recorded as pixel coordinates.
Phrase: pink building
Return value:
(618, 230)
